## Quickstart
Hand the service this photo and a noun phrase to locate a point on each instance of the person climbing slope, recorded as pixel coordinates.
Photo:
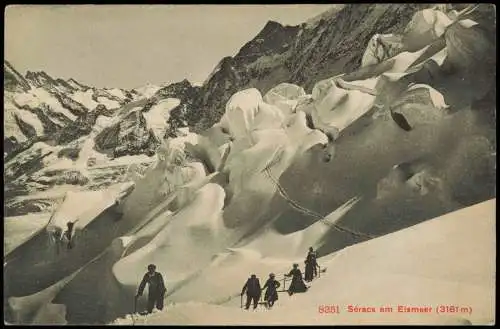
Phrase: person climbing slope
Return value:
(297, 284)
(311, 270)
(68, 234)
(271, 295)
(253, 290)
(156, 288)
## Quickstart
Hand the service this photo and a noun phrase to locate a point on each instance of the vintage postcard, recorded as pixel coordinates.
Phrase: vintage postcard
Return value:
(250, 164)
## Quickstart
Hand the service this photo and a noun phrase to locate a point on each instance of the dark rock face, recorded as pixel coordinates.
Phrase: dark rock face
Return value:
(41, 79)
(181, 116)
(69, 152)
(182, 90)
(71, 177)
(130, 136)
(273, 39)
(26, 129)
(108, 138)
(70, 104)
(337, 44)
(47, 118)
(12, 147)
(9, 145)
(32, 163)
(77, 85)
(50, 126)
(22, 207)
(82, 125)
(97, 93)
(13, 80)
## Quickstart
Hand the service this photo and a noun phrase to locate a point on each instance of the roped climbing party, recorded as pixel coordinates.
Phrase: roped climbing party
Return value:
(253, 289)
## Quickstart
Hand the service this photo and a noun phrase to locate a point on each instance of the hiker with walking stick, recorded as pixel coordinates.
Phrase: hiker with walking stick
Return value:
(253, 290)
(311, 270)
(68, 235)
(156, 287)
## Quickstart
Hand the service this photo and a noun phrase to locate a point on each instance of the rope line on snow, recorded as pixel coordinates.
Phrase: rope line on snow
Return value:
(222, 300)
(282, 279)
(302, 209)
(311, 213)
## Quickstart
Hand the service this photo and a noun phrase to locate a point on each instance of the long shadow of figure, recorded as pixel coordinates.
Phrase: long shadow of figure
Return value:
(35, 265)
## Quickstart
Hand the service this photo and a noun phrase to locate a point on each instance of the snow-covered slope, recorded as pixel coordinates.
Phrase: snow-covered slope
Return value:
(20, 229)
(447, 261)
(159, 114)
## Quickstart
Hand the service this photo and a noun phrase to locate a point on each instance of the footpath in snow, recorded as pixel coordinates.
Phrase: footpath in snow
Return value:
(438, 272)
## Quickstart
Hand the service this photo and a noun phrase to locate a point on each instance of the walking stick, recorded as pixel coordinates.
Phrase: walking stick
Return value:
(135, 310)
(241, 301)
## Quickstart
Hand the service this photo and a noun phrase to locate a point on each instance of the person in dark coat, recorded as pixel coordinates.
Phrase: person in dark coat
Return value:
(118, 211)
(271, 294)
(297, 284)
(253, 290)
(311, 266)
(156, 288)
(315, 261)
(68, 234)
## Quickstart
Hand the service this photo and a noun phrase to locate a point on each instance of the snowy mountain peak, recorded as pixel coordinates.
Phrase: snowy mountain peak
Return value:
(270, 25)
(57, 111)
(40, 78)
(176, 90)
(147, 90)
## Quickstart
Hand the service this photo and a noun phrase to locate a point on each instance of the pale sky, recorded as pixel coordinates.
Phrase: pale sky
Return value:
(128, 46)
